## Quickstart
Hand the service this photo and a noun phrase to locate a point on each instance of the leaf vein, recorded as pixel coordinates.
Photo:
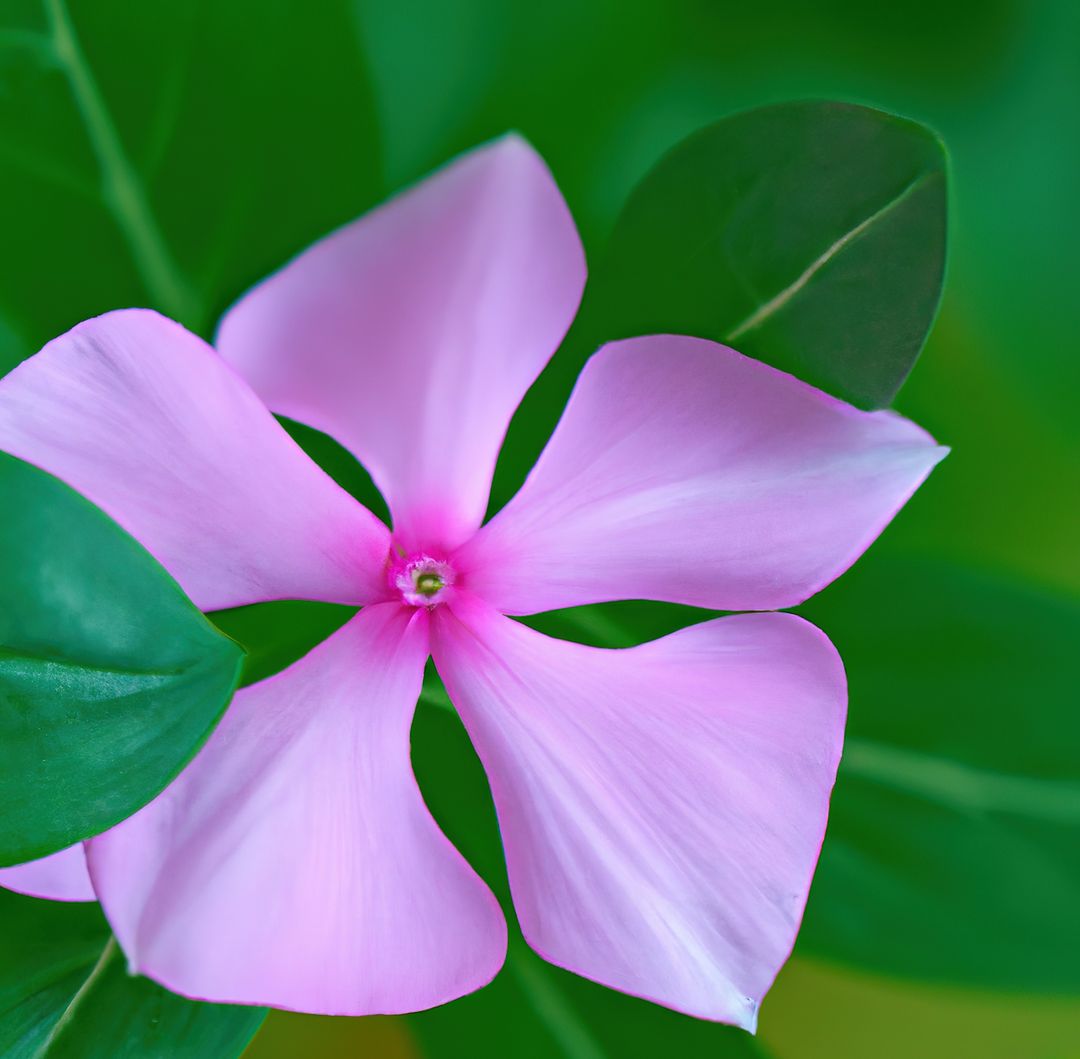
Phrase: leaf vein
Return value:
(107, 953)
(771, 307)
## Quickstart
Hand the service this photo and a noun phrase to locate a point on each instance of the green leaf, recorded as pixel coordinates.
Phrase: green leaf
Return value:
(953, 850)
(64, 992)
(110, 678)
(172, 157)
(808, 235)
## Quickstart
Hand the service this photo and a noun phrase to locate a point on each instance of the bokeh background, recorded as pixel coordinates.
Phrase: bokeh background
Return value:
(945, 921)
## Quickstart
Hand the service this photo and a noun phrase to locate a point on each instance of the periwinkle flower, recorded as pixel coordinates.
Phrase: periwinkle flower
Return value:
(662, 807)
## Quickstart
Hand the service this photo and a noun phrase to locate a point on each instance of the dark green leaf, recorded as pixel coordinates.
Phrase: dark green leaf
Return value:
(64, 992)
(110, 679)
(808, 235)
(954, 843)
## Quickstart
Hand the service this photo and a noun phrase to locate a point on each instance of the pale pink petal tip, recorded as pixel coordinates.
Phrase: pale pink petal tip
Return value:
(684, 471)
(294, 863)
(61, 876)
(662, 808)
(422, 324)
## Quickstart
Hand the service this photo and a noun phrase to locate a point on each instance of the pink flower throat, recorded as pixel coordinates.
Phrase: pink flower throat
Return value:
(421, 580)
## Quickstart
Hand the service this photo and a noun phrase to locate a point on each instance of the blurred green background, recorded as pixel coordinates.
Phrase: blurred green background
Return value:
(945, 921)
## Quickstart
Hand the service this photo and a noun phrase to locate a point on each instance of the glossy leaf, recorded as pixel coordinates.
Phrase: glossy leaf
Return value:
(808, 235)
(954, 844)
(65, 994)
(110, 679)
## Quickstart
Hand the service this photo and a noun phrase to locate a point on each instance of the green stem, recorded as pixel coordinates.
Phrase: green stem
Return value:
(110, 951)
(562, 1021)
(962, 786)
(121, 187)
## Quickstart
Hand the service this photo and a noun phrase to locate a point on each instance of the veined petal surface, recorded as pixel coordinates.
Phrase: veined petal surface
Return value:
(412, 334)
(684, 471)
(146, 421)
(294, 863)
(662, 807)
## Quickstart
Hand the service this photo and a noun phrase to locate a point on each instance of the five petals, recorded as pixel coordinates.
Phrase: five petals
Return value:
(662, 807)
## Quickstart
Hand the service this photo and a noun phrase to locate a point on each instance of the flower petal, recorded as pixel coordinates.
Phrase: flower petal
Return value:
(412, 334)
(662, 808)
(684, 471)
(61, 876)
(294, 862)
(146, 421)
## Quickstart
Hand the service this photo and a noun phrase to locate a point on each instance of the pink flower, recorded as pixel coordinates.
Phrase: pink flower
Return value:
(662, 808)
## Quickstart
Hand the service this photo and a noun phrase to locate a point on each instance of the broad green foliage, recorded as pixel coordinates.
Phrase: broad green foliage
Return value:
(808, 235)
(110, 679)
(65, 994)
(953, 847)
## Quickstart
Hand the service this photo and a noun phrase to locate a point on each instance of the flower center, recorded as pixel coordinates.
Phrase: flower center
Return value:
(421, 580)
